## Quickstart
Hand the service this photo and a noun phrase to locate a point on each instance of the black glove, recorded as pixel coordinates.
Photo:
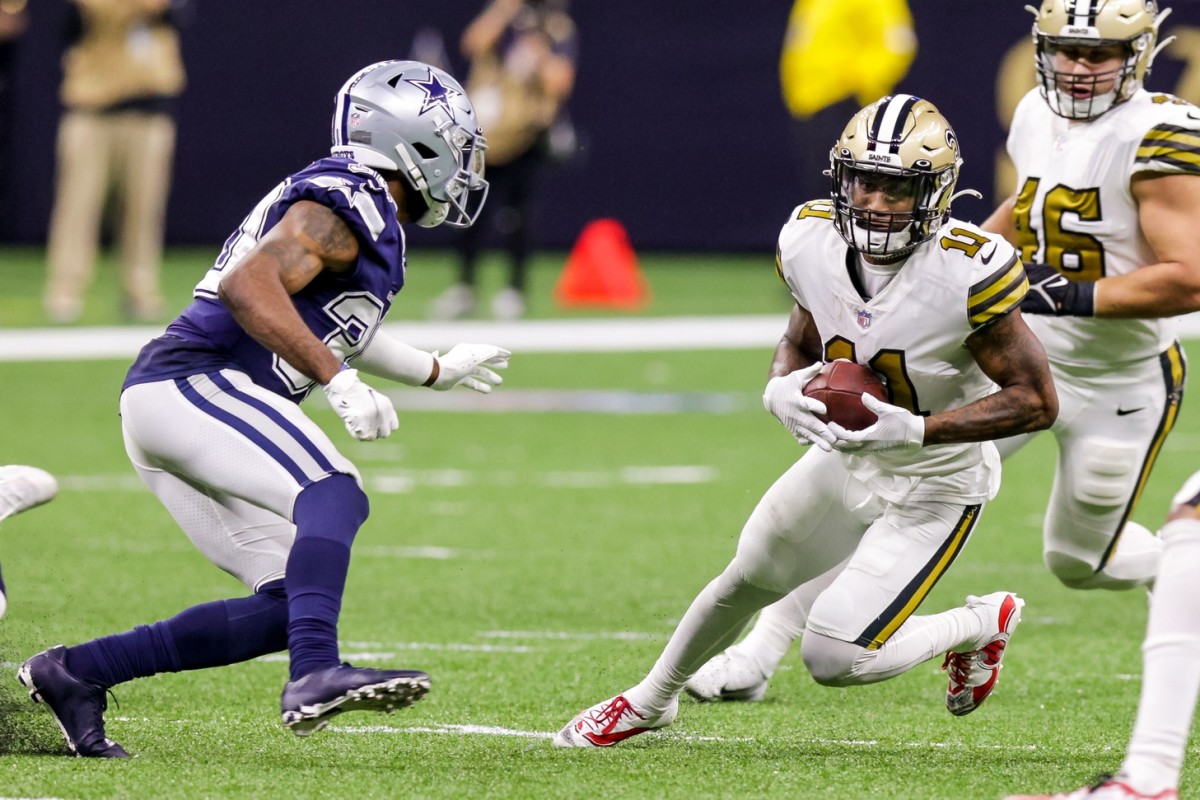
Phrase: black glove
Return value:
(1051, 292)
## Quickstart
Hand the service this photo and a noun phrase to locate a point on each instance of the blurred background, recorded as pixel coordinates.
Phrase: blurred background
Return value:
(694, 126)
(685, 136)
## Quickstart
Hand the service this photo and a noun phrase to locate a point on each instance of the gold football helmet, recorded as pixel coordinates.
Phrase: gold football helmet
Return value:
(1131, 24)
(902, 147)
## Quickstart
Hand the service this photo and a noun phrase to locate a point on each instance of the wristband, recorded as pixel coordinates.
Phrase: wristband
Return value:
(434, 374)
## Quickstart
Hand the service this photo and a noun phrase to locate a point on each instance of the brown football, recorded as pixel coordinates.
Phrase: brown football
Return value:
(840, 386)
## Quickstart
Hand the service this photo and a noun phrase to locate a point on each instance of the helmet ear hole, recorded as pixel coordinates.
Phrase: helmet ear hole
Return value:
(424, 150)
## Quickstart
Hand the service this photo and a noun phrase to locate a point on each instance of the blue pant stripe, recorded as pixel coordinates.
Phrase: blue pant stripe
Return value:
(270, 448)
(279, 419)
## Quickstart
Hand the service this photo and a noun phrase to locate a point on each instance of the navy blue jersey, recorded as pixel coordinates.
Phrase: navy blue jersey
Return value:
(343, 310)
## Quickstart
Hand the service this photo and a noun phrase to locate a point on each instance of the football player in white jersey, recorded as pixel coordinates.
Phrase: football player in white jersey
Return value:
(884, 277)
(1109, 178)
(1108, 212)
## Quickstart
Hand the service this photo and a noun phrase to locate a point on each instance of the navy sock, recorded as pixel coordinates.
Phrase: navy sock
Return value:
(328, 514)
(2, 589)
(208, 635)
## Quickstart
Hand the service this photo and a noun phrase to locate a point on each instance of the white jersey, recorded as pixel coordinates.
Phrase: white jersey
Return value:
(1075, 212)
(912, 333)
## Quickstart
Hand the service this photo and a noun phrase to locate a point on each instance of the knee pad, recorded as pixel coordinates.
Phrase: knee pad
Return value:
(333, 508)
(831, 662)
(1106, 471)
(339, 493)
(1072, 572)
(1133, 562)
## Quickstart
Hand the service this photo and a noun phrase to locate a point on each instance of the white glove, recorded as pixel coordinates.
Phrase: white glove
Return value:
(367, 413)
(896, 429)
(467, 365)
(784, 398)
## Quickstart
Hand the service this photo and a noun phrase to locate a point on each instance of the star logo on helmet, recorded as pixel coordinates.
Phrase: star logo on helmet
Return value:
(437, 94)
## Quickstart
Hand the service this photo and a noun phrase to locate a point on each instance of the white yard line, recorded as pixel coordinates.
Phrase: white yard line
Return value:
(430, 553)
(523, 336)
(388, 654)
(452, 729)
(573, 635)
(405, 481)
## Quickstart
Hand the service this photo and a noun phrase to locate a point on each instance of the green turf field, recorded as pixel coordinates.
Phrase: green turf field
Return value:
(680, 284)
(534, 562)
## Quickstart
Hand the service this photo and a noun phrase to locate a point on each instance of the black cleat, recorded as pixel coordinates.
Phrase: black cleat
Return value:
(310, 702)
(76, 706)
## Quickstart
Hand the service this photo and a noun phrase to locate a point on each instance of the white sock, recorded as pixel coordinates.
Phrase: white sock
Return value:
(920, 639)
(1171, 664)
(711, 623)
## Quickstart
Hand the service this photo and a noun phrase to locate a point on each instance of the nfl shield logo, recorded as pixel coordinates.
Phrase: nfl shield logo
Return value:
(864, 318)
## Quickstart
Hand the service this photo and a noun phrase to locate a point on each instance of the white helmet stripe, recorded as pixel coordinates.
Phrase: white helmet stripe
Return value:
(1084, 13)
(889, 123)
(339, 119)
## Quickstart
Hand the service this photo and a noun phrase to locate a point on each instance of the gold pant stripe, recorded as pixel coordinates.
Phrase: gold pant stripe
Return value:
(1174, 374)
(914, 594)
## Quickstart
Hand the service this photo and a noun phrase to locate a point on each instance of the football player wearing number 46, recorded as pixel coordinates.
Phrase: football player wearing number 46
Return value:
(868, 521)
(212, 424)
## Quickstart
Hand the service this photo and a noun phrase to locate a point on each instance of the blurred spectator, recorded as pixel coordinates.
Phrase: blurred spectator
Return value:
(122, 73)
(13, 21)
(871, 43)
(523, 55)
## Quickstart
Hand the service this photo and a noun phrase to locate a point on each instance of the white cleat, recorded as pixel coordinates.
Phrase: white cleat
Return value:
(455, 303)
(612, 721)
(973, 674)
(508, 304)
(1107, 788)
(22, 488)
(1189, 493)
(731, 675)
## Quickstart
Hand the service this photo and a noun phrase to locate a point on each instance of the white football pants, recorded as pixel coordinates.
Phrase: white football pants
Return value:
(227, 458)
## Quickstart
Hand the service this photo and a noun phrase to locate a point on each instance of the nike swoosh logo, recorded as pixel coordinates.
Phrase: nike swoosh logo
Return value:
(991, 254)
(1121, 412)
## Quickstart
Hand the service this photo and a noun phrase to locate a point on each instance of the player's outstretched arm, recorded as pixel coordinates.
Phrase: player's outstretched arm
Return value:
(1009, 354)
(470, 365)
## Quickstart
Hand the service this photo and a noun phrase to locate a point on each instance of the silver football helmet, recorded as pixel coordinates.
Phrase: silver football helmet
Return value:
(902, 146)
(415, 119)
(1131, 24)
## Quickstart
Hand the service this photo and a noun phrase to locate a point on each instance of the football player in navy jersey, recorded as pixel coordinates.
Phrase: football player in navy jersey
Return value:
(210, 409)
